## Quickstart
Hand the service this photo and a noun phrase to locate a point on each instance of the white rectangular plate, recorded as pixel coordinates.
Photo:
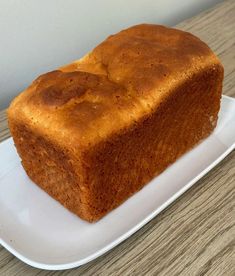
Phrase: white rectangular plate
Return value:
(39, 231)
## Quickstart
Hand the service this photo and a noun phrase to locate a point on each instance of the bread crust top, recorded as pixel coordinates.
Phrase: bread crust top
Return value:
(122, 80)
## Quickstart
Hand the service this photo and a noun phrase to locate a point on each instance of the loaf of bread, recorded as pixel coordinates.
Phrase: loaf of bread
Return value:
(94, 132)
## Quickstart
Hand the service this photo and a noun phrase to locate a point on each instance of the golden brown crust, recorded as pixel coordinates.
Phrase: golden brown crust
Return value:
(124, 78)
(118, 116)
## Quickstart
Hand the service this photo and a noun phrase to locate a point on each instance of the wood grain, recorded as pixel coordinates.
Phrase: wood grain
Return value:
(196, 234)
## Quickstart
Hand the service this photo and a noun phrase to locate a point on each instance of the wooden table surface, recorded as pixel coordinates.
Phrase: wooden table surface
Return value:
(196, 234)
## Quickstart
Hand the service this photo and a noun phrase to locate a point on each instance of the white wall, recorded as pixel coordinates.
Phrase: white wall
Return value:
(40, 35)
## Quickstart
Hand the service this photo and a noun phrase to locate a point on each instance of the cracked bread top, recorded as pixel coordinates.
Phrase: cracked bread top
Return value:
(122, 80)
